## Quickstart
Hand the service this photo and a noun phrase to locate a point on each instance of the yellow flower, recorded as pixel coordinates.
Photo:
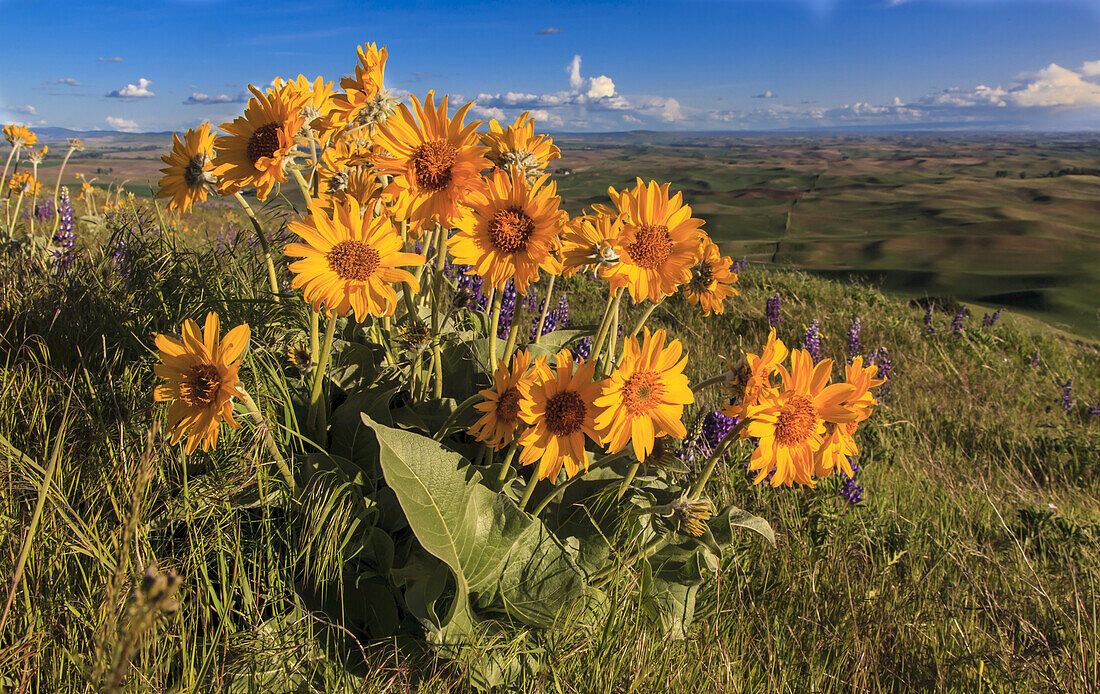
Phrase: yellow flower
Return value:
(24, 183)
(790, 421)
(19, 136)
(512, 231)
(299, 356)
(663, 241)
(498, 426)
(711, 280)
(840, 444)
(201, 373)
(349, 261)
(592, 242)
(755, 375)
(645, 396)
(517, 146)
(345, 168)
(187, 178)
(362, 103)
(560, 412)
(255, 150)
(317, 99)
(435, 161)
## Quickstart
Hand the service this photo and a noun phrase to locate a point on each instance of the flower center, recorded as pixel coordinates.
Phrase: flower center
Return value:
(353, 260)
(641, 391)
(263, 143)
(193, 174)
(508, 405)
(432, 163)
(509, 230)
(795, 423)
(702, 276)
(565, 413)
(651, 247)
(199, 386)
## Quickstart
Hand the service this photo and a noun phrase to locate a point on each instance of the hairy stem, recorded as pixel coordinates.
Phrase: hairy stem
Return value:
(265, 247)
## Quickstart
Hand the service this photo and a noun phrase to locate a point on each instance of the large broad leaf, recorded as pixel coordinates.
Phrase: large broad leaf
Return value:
(552, 343)
(670, 587)
(500, 556)
(355, 366)
(722, 525)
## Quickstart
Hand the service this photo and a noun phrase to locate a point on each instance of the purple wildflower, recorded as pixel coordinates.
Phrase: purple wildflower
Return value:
(957, 321)
(583, 349)
(853, 339)
(851, 490)
(1067, 396)
(929, 312)
(65, 238)
(812, 341)
(556, 318)
(507, 310)
(772, 310)
(1035, 360)
(715, 428)
(43, 211)
(881, 358)
(1095, 409)
(990, 319)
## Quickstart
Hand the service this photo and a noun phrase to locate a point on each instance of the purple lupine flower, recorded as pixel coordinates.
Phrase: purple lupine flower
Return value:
(853, 339)
(43, 211)
(473, 286)
(531, 303)
(1067, 396)
(1035, 360)
(1095, 409)
(990, 319)
(772, 310)
(556, 318)
(507, 310)
(583, 349)
(812, 340)
(738, 266)
(929, 313)
(851, 490)
(957, 321)
(716, 426)
(881, 358)
(65, 238)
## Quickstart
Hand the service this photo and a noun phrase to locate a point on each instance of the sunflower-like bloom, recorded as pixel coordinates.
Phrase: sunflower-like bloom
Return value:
(187, 178)
(517, 147)
(349, 261)
(645, 396)
(36, 156)
(753, 375)
(345, 169)
(256, 148)
(560, 411)
(362, 102)
(76, 144)
(592, 242)
(19, 136)
(511, 232)
(201, 373)
(500, 423)
(790, 421)
(317, 99)
(435, 161)
(840, 443)
(663, 241)
(24, 183)
(711, 280)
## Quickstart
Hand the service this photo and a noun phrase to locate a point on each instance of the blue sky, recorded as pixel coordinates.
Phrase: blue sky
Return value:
(704, 65)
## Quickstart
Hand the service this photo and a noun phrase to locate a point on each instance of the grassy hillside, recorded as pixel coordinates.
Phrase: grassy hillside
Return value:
(973, 563)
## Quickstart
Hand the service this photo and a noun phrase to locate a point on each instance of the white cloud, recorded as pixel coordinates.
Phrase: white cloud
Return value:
(769, 94)
(133, 91)
(27, 110)
(110, 60)
(548, 31)
(1056, 86)
(67, 81)
(198, 98)
(123, 124)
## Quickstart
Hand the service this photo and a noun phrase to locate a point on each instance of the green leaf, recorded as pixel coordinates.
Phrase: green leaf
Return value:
(552, 343)
(669, 590)
(354, 366)
(722, 524)
(500, 556)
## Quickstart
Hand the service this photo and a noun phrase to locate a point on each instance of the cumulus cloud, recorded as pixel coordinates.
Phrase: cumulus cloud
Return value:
(198, 98)
(116, 59)
(764, 95)
(548, 31)
(1056, 86)
(133, 91)
(123, 124)
(27, 110)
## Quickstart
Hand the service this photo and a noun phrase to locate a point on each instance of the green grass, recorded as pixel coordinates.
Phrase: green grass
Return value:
(973, 565)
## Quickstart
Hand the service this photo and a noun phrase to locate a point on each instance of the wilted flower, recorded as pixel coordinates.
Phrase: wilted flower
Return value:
(691, 516)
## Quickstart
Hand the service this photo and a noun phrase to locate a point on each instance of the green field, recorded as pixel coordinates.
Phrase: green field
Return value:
(1004, 221)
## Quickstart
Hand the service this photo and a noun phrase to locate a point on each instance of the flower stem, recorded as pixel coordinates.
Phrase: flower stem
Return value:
(314, 334)
(57, 189)
(510, 345)
(625, 484)
(605, 322)
(34, 195)
(303, 187)
(528, 491)
(313, 418)
(437, 300)
(506, 464)
(545, 308)
(494, 324)
(713, 380)
(11, 225)
(4, 178)
(612, 338)
(645, 316)
(708, 470)
(261, 424)
(272, 278)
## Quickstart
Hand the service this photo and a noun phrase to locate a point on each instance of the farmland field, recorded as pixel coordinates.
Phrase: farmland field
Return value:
(1000, 220)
